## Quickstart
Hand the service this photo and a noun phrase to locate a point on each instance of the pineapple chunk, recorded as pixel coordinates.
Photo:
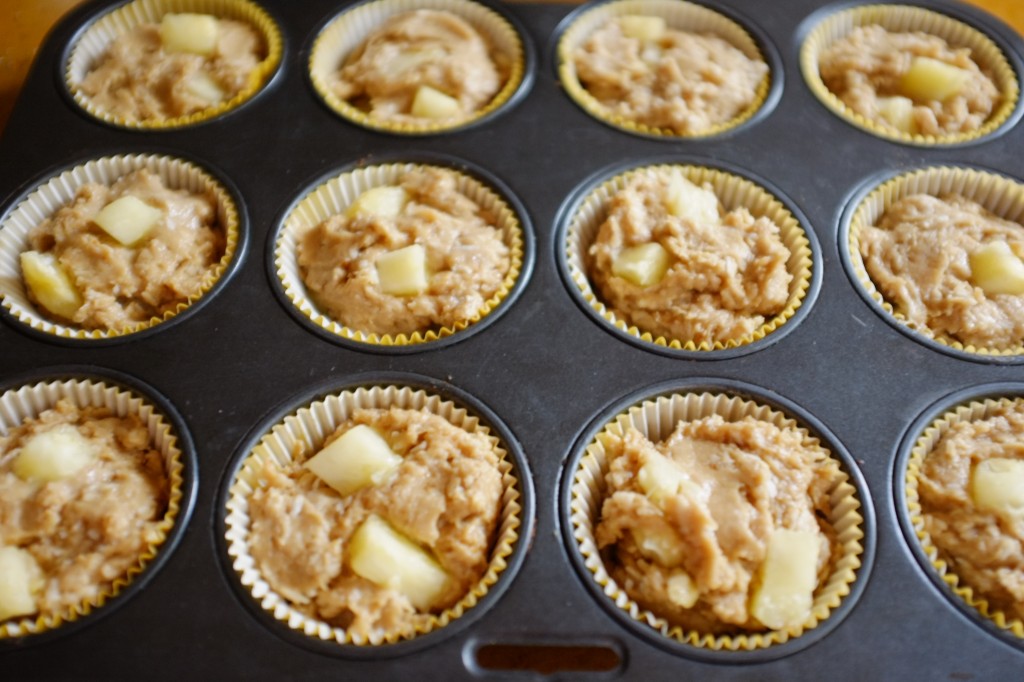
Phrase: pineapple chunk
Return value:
(384, 556)
(997, 269)
(200, 84)
(647, 29)
(681, 589)
(643, 265)
(898, 112)
(360, 457)
(21, 580)
(685, 200)
(434, 104)
(929, 79)
(50, 284)
(128, 219)
(660, 544)
(403, 272)
(385, 202)
(53, 455)
(788, 576)
(998, 486)
(194, 33)
(660, 478)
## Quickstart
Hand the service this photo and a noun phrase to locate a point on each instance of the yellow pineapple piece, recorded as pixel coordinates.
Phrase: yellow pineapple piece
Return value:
(898, 112)
(685, 200)
(386, 201)
(644, 28)
(787, 579)
(21, 580)
(997, 269)
(50, 284)
(192, 33)
(930, 79)
(681, 589)
(997, 485)
(202, 85)
(53, 455)
(434, 104)
(403, 272)
(643, 265)
(659, 544)
(128, 219)
(358, 458)
(660, 478)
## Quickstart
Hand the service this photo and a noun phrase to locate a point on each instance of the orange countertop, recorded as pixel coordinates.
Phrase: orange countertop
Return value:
(24, 24)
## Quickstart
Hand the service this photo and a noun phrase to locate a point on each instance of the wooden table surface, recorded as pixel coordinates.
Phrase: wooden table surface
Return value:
(24, 24)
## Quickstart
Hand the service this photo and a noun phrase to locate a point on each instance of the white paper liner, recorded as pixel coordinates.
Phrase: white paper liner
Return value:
(904, 18)
(656, 419)
(29, 401)
(351, 28)
(1000, 195)
(926, 442)
(60, 190)
(98, 37)
(679, 15)
(310, 425)
(334, 196)
(733, 192)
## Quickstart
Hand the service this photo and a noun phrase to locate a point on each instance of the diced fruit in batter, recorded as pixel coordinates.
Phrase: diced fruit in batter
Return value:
(642, 265)
(659, 543)
(358, 458)
(643, 28)
(410, 59)
(403, 272)
(128, 219)
(200, 84)
(997, 269)
(194, 33)
(50, 283)
(386, 201)
(998, 486)
(660, 478)
(898, 112)
(930, 79)
(688, 201)
(434, 104)
(682, 590)
(21, 579)
(788, 576)
(53, 455)
(384, 556)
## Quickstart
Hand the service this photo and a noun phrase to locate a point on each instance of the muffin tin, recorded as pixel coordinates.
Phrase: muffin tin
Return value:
(545, 371)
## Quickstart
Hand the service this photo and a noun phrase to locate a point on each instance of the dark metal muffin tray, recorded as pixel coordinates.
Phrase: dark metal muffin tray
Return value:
(544, 367)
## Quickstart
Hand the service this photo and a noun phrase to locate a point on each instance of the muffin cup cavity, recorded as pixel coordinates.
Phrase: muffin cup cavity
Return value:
(584, 220)
(347, 31)
(985, 52)
(656, 417)
(311, 424)
(52, 194)
(333, 196)
(679, 15)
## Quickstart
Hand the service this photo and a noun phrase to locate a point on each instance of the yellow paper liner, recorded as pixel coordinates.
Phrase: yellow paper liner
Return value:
(17, 405)
(352, 26)
(656, 419)
(97, 38)
(925, 443)
(733, 192)
(679, 15)
(333, 196)
(60, 190)
(310, 425)
(998, 194)
(904, 18)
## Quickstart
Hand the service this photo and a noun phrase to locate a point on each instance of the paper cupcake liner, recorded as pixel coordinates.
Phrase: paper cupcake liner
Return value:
(17, 405)
(678, 14)
(656, 418)
(95, 40)
(1000, 195)
(925, 443)
(733, 192)
(352, 26)
(904, 18)
(310, 425)
(60, 190)
(333, 196)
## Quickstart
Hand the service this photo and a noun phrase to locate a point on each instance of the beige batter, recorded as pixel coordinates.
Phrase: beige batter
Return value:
(723, 281)
(138, 80)
(87, 530)
(124, 285)
(870, 62)
(466, 259)
(421, 47)
(749, 479)
(918, 258)
(445, 496)
(985, 550)
(683, 82)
